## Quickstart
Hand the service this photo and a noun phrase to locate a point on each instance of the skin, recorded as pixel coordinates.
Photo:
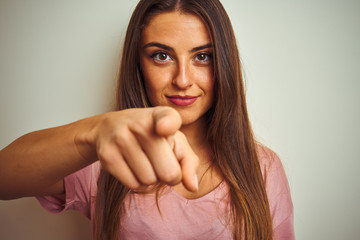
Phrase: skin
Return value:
(139, 147)
(176, 61)
(36, 163)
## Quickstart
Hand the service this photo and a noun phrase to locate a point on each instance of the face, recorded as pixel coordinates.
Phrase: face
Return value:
(176, 62)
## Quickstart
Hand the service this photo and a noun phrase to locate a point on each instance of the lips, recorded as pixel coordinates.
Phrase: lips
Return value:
(182, 100)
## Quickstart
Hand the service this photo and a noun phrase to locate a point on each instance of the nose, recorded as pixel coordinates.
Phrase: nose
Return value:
(182, 78)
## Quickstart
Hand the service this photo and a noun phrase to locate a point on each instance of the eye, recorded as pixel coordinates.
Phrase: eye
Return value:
(160, 57)
(203, 57)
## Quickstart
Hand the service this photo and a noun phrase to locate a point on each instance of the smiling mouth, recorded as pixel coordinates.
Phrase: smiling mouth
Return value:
(182, 100)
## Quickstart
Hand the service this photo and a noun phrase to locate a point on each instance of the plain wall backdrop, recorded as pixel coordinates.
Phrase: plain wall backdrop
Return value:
(301, 59)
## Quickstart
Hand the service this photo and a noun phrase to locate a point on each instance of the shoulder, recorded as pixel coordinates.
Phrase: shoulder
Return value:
(268, 160)
(272, 170)
(278, 191)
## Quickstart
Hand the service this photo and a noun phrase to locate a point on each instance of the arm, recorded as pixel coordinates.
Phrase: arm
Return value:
(36, 163)
(134, 145)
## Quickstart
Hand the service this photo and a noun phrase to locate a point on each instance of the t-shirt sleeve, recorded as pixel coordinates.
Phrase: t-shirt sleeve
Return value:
(80, 190)
(278, 193)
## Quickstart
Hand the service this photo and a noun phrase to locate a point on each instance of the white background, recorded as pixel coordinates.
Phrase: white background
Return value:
(59, 59)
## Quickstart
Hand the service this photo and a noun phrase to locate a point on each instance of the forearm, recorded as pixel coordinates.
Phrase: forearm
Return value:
(132, 145)
(36, 162)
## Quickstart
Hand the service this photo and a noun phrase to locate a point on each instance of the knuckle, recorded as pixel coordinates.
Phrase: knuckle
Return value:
(148, 180)
(138, 126)
(171, 176)
(121, 138)
(134, 185)
(104, 155)
(109, 157)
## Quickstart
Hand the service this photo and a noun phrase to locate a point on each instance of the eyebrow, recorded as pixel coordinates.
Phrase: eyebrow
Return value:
(168, 48)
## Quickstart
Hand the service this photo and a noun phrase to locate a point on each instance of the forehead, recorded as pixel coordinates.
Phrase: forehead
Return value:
(176, 27)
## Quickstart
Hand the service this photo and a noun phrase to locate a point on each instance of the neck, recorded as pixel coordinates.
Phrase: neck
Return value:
(195, 133)
(196, 136)
(208, 174)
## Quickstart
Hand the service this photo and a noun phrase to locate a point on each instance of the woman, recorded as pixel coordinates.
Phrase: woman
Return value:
(191, 171)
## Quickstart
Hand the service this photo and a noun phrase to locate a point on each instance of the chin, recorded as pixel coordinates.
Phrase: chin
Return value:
(190, 119)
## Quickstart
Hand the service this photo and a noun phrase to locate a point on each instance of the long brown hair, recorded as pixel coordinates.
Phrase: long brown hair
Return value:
(228, 133)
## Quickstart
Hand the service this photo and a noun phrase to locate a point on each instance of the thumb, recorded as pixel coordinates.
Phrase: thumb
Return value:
(167, 121)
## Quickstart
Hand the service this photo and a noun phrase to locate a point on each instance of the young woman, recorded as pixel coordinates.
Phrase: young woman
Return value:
(178, 159)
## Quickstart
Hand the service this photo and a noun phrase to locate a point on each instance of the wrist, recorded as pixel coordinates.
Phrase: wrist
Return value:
(85, 138)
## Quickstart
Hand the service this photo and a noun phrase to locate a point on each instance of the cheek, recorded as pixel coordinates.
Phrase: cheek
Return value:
(156, 77)
(155, 83)
(206, 80)
(151, 87)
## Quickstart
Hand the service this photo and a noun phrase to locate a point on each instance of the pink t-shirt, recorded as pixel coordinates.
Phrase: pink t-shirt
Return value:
(179, 218)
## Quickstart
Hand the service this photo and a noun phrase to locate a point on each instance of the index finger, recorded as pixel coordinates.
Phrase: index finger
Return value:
(188, 160)
(167, 121)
